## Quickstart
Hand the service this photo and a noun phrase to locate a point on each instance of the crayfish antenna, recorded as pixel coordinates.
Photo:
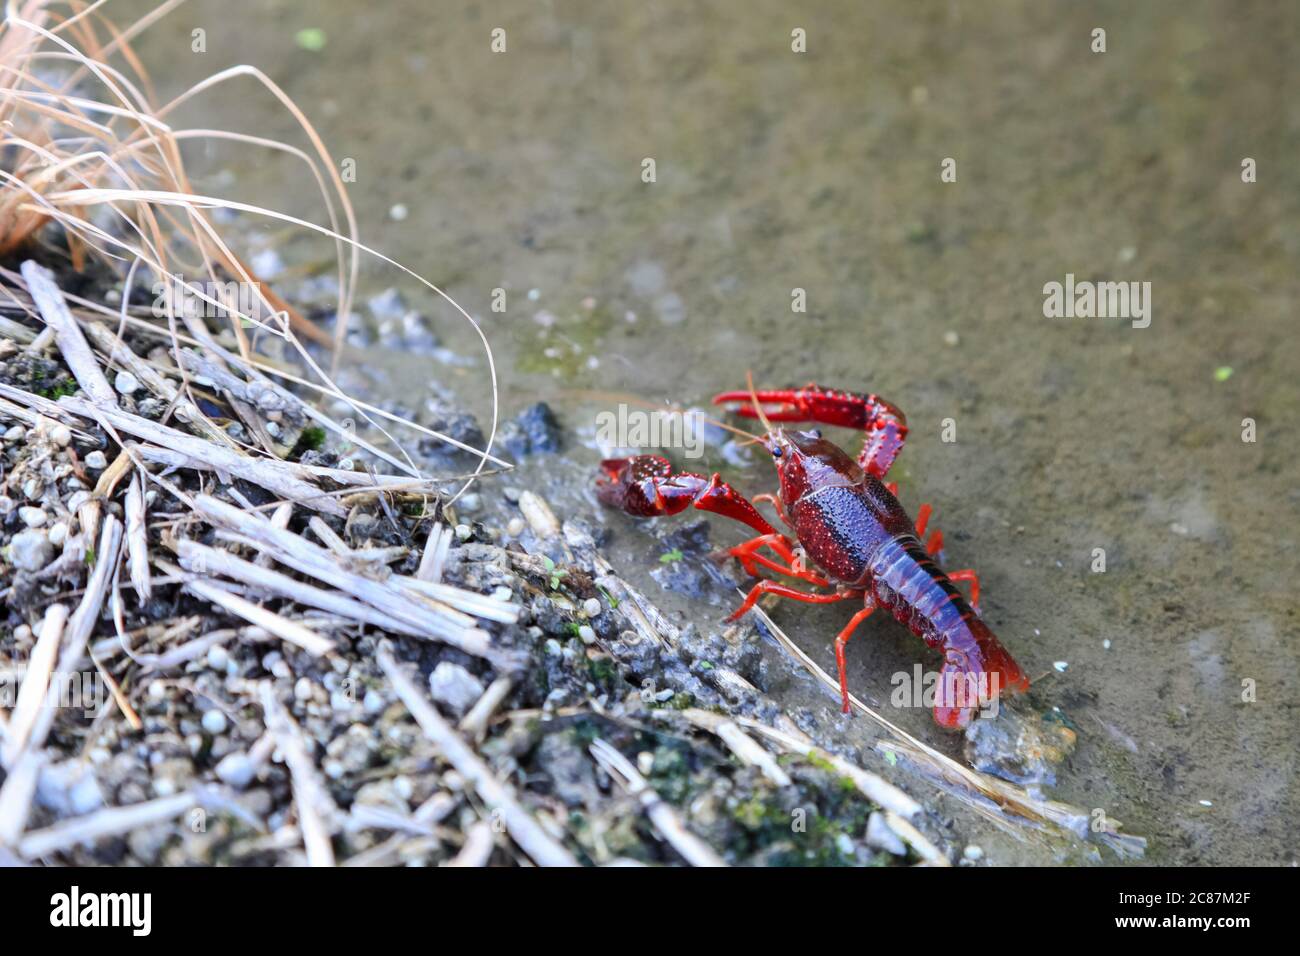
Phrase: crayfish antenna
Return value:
(758, 408)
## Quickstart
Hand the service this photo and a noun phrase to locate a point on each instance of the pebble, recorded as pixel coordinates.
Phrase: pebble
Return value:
(587, 635)
(398, 212)
(463, 531)
(454, 687)
(973, 853)
(58, 533)
(218, 657)
(951, 339)
(237, 770)
(516, 527)
(126, 383)
(61, 436)
(591, 607)
(1061, 665)
(7, 505)
(303, 689)
(31, 550)
(97, 461)
(470, 502)
(214, 722)
(881, 837)
(17, 433)
(33, 517)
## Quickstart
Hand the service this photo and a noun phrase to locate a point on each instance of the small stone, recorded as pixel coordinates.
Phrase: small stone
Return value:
(33, 517)
(7, 505)
(126, 383)
(398, 212)
(591, 607)
(454, 687)
(973, 853)
(77, 499)
(17, 433)
(97, 461)
(645, 762)
(1061, 665)
(951, 339)
(516, 527)
(470, 502)
(61, 436)
(214, 722)
(237, 770)
(881, 837)
(58, 533)
(218, 657)
(373, 702)
(463, 532)
(303, 689)
(30, 550)
(586, 634)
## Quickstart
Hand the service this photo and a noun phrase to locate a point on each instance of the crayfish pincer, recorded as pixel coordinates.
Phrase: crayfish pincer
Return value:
(852, 539)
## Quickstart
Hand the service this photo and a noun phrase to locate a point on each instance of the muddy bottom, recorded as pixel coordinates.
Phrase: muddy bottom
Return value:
(1135, 535)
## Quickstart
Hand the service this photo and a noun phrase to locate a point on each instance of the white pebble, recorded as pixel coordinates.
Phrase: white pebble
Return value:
(463, 532)
(1207, 803)
(33, 517)
(591, 607)
(587, 635)
(645, 762)
(973, 853)
(58, 534)
(303, 689)
(218, 657)
(97, 460)
(62, 436)
(17, 433)
(398, 212)
(1061, 665)
(7, 505)
(515, 528)
(126, 383)
(214, 721)
(237, 770)
(1106, 643)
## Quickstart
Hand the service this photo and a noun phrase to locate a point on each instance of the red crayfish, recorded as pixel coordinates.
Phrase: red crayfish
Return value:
(853, 537)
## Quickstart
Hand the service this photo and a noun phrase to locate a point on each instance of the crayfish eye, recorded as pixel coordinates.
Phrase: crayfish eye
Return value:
(776, 451)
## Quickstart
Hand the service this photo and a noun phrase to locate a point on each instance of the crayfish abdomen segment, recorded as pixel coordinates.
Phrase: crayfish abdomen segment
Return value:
(977, 668)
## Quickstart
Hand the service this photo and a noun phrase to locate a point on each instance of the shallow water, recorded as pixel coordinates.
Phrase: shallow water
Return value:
(821, 171)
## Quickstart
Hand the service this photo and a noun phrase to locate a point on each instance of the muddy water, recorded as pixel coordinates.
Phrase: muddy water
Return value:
(821, 171)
